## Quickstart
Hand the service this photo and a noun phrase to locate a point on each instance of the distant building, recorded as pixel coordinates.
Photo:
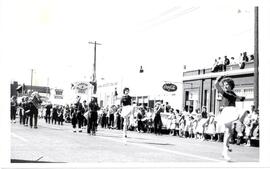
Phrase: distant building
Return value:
(199, 89)
(21, 89)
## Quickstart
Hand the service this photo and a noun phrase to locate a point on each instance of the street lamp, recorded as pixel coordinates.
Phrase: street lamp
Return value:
(141, 69)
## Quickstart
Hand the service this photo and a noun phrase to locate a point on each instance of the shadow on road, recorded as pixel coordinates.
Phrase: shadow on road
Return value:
(162, 144)
(31, 161)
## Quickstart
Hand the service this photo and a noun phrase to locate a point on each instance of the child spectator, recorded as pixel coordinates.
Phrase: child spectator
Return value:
(210, 126)
(173, 124)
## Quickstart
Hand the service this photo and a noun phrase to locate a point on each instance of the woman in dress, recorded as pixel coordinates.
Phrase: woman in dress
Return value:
(229, 113)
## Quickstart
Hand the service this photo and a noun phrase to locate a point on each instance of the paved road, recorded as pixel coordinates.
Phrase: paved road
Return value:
(53, 143)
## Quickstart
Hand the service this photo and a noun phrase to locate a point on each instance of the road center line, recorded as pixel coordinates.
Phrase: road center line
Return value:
(125, 141)
(19, 137)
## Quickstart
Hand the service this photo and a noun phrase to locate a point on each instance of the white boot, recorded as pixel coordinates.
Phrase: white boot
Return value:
(225, 155)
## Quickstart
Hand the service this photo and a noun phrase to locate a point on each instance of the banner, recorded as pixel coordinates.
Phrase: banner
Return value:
(81, 87)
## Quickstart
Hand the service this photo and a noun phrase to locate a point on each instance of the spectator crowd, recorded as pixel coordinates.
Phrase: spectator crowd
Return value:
(162, 119)
(221, 64)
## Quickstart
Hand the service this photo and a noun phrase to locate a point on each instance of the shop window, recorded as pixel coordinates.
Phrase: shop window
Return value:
(205, 97)
(249, 93)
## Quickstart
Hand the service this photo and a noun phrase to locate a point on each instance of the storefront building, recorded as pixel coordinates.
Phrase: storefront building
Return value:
(199, 89)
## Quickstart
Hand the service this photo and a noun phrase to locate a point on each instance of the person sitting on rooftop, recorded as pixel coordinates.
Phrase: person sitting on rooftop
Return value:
(215, 66)
(226, 62)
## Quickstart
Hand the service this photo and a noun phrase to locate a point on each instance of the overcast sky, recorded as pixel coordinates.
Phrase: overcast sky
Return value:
(51, 37)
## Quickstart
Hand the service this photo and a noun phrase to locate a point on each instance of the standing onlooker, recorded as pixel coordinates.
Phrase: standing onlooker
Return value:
(182, 124)
(203, 122)
(103, 118)
(157, 118)
(251, 122)
(111, 116)
(13, 109)
(139, 121)
(48, 108)
(167, 107)
(118, 118)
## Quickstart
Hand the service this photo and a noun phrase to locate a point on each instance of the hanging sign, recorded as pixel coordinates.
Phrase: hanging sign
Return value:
(169, 87)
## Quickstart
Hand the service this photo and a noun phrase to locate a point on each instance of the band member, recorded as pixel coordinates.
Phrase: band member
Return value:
(13, 109)
(92, 116)
(127, 109)
(229, 113)
(60, 115)
(54, 114)
(77, 117)
(48, 113)
(85, 109)
(26, 108)
(21, 111)
(34, 106)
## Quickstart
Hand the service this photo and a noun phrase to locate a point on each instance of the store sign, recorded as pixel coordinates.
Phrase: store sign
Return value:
(169, 87)
(58, 97)
(58, 94)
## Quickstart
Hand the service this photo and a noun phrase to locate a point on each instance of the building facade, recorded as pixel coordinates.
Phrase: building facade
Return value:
(199, 89)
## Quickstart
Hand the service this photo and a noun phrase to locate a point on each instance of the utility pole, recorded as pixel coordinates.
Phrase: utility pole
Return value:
(94, 80)
(48, 88)
(256, 58)
(31, 79)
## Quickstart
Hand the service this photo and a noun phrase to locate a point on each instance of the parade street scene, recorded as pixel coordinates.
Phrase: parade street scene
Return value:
(132, 82)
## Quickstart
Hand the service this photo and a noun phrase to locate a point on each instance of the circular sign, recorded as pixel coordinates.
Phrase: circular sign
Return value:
(169, 87)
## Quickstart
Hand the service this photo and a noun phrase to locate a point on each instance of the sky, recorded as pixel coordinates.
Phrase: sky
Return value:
(51, 37)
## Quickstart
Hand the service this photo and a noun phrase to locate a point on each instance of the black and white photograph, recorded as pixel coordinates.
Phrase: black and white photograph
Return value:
(154, 83)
